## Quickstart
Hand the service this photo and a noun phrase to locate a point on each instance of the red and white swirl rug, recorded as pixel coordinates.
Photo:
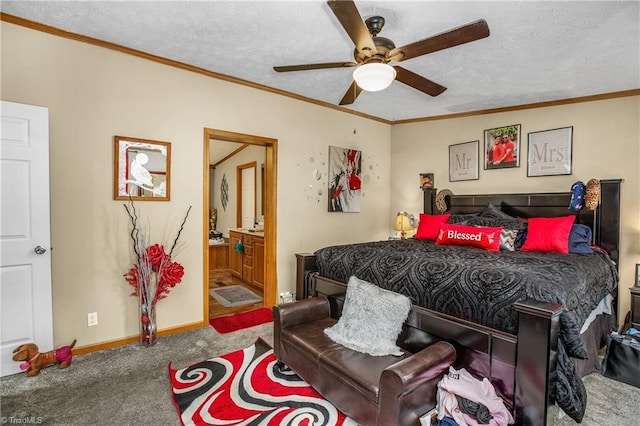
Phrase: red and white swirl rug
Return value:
(245, 388)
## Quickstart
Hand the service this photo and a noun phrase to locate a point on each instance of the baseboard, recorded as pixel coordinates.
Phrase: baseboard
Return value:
(132, 339)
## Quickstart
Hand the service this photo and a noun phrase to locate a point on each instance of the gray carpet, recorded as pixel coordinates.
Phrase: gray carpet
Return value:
(609, 403)
(130, 385)
(118, 386)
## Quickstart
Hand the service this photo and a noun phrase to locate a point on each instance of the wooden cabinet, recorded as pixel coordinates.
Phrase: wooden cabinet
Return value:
(635, 307)
(235, 258)
(247, 260)
(258, 262)
(248, 265)
(219, 256)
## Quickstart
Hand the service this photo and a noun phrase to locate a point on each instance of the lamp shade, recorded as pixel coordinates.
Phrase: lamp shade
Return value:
(374, 77)
(402, 223)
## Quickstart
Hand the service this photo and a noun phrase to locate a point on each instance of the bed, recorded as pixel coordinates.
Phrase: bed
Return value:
(521, 325)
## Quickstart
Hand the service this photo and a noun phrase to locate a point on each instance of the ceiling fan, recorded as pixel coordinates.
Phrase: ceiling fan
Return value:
(376, 52)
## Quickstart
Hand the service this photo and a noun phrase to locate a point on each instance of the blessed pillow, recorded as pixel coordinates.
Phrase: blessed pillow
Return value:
(508, 237)
(580, 239)
(463, 235)
(371, 320)
(549, 234)
(429, 225)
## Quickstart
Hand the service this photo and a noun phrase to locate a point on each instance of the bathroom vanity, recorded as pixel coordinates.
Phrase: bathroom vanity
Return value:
(246, 256)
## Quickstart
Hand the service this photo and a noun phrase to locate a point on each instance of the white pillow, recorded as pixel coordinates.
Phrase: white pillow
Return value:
(371, 319)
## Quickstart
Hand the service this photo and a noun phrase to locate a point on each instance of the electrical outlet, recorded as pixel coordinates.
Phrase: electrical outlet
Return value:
(92, 319)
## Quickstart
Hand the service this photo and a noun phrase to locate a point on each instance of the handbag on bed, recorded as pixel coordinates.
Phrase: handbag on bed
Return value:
(622, 359)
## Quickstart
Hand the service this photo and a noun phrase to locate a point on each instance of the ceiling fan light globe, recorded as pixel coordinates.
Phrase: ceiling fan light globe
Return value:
(374, 77)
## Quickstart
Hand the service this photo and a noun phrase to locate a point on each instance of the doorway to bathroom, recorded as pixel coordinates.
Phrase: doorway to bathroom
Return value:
(256, 267)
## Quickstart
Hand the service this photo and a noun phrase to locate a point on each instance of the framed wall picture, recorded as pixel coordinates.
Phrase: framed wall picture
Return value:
(426, 180)
(142, 169)
(637, 282)
(550, 152)
(345, 185)
(502, 147)
(463, 161)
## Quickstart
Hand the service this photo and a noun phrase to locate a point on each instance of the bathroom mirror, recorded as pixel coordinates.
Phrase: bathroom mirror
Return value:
(142, 169)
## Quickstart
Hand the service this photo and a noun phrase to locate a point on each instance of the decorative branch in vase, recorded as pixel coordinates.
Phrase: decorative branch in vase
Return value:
(153, 275)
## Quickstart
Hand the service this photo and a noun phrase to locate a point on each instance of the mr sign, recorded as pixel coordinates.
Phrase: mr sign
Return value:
(463, 161)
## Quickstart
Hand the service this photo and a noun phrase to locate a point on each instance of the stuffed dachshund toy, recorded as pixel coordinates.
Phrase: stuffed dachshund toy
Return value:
(34, 360)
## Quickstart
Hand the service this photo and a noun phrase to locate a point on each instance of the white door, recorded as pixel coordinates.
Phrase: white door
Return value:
(248, 194)
(25, 239)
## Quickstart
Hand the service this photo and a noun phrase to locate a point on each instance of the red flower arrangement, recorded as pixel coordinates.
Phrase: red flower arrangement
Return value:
(168, 273)
(153, 276)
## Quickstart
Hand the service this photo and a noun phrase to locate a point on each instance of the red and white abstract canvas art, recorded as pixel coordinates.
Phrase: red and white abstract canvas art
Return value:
(345, 185)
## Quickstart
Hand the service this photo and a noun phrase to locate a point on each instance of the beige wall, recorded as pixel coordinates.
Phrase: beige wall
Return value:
(93, 94)
(606, 145)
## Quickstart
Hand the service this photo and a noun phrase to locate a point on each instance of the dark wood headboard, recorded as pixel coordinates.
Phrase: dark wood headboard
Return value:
(604, 221)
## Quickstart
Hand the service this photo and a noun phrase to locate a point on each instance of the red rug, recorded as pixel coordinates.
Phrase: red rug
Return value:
(245, 388)
(242, 320)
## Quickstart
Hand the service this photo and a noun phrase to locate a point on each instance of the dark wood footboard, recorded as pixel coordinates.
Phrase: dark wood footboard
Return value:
(538, 327)
(521, 368)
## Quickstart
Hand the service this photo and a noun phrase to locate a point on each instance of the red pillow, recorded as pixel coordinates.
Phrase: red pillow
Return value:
(549, 234)
(484, 237)
(429, 225)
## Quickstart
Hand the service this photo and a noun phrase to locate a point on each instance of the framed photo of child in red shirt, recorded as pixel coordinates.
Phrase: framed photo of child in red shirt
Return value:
(502, 147)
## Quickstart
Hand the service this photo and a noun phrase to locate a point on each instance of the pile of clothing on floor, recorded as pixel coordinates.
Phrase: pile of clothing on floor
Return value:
(464, 400)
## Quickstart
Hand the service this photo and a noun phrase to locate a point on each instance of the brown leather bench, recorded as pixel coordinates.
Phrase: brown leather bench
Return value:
(372, 390)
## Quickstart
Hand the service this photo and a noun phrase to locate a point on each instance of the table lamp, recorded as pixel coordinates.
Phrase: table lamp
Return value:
(402, 224)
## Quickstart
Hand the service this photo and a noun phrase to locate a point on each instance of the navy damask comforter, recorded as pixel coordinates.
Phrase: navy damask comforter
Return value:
(482, 286)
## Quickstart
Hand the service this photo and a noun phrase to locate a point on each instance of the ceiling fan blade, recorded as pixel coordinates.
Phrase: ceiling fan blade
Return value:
(418, 82)
(350, 19)
(351, 95)
(288, 68)
(455, 37)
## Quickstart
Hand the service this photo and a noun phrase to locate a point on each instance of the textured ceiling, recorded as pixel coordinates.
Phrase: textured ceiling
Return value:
(537, 51)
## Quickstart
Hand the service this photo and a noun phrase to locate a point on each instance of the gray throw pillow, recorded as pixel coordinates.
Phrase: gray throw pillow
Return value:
(371, 319)
(496, 213)
(509, 222)
(508, 239)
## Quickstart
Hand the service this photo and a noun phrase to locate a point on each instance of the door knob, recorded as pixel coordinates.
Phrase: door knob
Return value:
(40, 250)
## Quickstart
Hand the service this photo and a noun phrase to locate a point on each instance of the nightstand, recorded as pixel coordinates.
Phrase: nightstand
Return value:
(635, 307)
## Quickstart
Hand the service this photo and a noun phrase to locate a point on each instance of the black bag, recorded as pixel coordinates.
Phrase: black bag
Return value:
(622, 359)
